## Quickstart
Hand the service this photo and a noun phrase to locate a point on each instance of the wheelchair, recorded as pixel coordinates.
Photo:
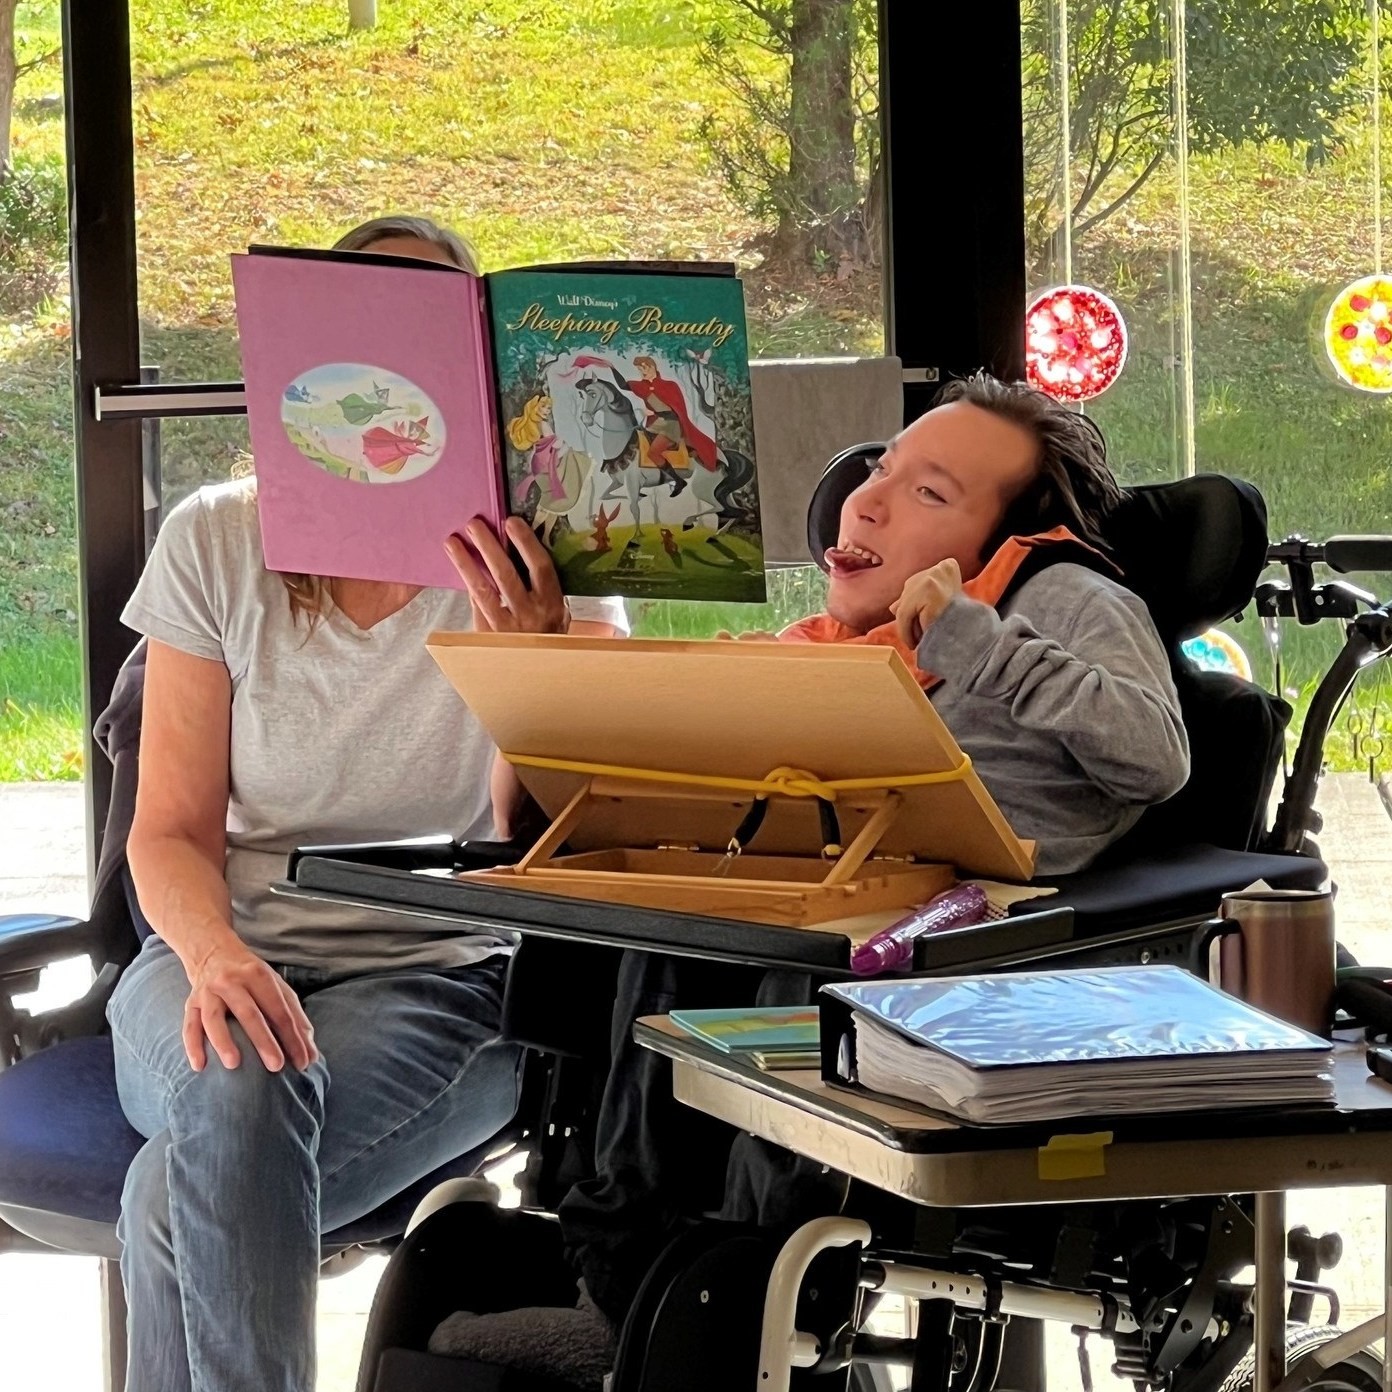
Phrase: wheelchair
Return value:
(1162, 1281)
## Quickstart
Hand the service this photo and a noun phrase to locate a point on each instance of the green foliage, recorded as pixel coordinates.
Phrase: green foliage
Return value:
(1259, 73)
(33, 233)
(801, 148)
(547, 130)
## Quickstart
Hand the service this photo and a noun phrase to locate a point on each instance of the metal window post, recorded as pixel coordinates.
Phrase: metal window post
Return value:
(951, 113)
(106, 348)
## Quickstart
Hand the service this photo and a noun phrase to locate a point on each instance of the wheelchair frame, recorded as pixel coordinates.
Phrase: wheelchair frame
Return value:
(1196, 1328)
(985, 1295)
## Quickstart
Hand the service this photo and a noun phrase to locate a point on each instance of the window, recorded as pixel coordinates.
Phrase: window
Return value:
(1217, 162)
(636, 128)
(39, 662)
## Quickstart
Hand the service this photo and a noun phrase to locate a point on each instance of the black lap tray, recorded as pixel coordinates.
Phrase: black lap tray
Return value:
(451, 904)
(1183, 882)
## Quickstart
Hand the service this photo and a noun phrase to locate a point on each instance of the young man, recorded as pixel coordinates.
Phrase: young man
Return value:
(976, 547)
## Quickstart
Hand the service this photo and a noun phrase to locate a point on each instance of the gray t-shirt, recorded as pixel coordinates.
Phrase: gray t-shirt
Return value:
(338, 734)
(1065, 702)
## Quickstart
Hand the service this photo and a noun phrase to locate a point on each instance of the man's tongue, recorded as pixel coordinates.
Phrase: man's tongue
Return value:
(838, 558)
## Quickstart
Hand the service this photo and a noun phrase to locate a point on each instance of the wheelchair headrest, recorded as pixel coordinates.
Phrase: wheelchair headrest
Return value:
(1193, 549)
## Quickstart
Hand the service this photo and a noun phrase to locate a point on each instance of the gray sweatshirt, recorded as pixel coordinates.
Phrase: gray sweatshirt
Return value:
(1065, 703)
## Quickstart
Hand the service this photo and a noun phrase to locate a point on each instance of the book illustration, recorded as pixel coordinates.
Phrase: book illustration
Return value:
(628, 430)
(363, 424)
(777, 1029)
(554, 475)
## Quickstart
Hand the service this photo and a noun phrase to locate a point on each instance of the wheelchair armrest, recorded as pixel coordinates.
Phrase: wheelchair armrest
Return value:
(31, 941)
(78, 1019)
(415, 853)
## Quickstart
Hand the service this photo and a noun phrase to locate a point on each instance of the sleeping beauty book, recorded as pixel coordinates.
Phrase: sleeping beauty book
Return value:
(392, 400)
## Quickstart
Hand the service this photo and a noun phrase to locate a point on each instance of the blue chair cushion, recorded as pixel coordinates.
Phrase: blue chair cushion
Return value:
(65, 1144)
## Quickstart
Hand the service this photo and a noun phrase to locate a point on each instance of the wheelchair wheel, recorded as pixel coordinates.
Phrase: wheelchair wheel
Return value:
(1360, 1373)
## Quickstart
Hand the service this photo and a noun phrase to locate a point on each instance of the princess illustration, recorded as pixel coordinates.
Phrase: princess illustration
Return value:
(554, 473)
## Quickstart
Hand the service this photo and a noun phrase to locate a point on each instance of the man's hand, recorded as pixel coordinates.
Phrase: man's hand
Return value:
(232, 980)
(501, 602)
(925, 597)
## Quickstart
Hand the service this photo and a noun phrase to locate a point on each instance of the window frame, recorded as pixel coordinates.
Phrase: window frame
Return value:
(940, 326)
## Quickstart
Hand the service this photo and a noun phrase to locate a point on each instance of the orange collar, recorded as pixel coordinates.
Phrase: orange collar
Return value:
(989, 586)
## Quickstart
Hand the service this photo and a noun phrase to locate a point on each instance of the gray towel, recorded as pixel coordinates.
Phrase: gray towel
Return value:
(574, 1346)
(806, 410)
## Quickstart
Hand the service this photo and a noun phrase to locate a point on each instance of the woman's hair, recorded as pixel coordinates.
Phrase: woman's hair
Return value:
(308, 593)
(367, 234)
(525, 430)
(1074, 487)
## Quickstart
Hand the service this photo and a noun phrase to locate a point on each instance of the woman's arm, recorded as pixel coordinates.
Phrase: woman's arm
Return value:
(509, 797)
(177, 852)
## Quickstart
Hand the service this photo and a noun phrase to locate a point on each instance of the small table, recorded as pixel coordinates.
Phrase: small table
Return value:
(937, 1162)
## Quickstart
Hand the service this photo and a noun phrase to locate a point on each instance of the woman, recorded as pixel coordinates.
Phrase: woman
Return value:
(295, 1065)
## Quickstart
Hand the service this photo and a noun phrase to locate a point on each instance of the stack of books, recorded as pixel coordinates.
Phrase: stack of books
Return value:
(1039, 1046)
(774, 1038)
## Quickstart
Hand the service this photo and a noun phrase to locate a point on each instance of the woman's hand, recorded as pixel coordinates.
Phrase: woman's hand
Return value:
(501, 602)
(231, 980)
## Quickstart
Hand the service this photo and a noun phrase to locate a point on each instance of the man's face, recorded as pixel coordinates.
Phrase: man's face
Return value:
(648, 370)
(941, 489)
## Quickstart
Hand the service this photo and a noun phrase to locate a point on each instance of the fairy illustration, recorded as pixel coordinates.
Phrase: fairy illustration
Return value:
(295, 392)
(555, 474)
(388, 449)
(359, 409)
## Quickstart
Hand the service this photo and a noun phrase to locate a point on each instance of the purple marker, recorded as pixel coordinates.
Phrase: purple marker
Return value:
(891, 949)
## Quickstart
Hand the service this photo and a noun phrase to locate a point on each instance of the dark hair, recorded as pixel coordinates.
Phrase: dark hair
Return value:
(1075, 486)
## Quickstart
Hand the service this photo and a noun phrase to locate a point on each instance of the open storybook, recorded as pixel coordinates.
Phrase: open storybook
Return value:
(392, 400)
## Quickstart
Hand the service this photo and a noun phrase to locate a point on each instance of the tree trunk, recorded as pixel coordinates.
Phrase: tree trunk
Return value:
(7, 77)
(820, 219)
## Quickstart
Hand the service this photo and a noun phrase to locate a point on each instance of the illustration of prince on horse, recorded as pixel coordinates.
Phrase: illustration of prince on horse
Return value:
(669, 437)
(638, 458)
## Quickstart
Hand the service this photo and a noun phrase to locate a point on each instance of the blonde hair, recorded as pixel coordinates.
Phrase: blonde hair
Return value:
(525, 430)
(310, 594)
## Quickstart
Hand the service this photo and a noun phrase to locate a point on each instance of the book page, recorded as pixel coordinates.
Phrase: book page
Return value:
(371, 412)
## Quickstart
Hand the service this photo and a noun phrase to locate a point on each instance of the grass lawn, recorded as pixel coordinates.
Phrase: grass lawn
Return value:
(547, 130)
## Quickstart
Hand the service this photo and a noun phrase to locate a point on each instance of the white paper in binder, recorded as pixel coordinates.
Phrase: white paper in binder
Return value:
(1039, 1046)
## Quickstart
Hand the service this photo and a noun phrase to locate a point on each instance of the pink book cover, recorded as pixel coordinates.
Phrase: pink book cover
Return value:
(372, 413)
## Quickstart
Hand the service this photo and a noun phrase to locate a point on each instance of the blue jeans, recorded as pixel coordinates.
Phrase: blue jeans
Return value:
(243, 1169)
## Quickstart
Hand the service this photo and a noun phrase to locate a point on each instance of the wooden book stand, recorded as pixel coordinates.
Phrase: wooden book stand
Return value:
(649, 755)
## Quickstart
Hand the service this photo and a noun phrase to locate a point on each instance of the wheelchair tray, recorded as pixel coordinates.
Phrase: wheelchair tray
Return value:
(1362, 1104)
(440, 902)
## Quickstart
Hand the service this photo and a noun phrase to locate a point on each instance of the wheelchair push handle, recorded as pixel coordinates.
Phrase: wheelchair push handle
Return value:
(1345, 554)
